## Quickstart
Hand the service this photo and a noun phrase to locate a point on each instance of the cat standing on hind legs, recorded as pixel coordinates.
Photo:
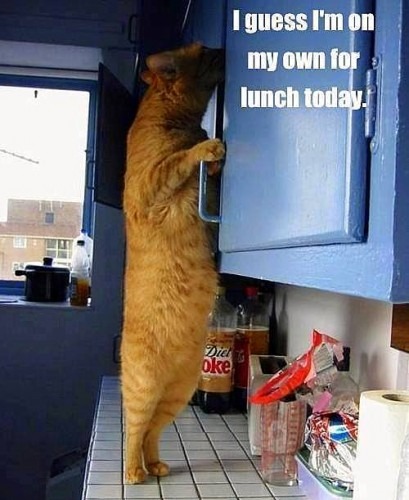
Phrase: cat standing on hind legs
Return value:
(170, 277)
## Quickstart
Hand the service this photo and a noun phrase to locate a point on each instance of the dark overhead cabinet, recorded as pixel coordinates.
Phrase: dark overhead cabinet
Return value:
(116, 110)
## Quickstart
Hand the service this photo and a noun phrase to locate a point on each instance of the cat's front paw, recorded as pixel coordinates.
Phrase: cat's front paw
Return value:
(158, 469)
(134, 475)
(210, 150)
(213, 167)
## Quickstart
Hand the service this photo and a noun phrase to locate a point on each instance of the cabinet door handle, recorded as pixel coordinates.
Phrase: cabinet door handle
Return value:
(133, 28)
(203, 214)
(90, 174)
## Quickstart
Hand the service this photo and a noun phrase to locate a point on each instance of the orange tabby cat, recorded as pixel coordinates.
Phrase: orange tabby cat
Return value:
(170, 277)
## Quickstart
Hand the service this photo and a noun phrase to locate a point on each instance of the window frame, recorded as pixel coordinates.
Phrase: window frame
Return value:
(11, 287)
(50, 216)
(19, 241)
(57, 249)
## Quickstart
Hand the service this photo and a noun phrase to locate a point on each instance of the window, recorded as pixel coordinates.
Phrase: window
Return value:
(19, 242)
(46, 168)
(49, 218)
(59, 250)
(17, 265)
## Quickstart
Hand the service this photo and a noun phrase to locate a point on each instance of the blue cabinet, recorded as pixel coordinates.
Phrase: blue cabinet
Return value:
(205, 23)
(306, 198)
(304, 167)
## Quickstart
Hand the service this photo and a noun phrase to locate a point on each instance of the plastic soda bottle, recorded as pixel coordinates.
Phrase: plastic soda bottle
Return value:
(215, 385)
(80, 275)
(252, 337)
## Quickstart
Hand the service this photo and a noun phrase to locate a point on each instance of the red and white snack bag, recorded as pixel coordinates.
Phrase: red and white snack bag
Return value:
(315, 362)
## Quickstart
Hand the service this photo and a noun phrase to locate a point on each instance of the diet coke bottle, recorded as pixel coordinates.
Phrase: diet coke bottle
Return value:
(215, 385)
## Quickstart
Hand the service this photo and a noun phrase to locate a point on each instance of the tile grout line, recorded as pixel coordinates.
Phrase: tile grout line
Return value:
(215, 451)
(91, 442)
(249, 456)
(186, 455)
(210, 428)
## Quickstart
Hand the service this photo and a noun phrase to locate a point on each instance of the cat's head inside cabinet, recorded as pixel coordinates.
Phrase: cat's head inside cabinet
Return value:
(190, 68)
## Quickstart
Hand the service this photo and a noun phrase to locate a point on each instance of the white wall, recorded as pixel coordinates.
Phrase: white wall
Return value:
(364, 325)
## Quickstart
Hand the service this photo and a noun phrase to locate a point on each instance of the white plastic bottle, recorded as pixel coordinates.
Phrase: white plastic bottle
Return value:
(89, 245)
(80, 275)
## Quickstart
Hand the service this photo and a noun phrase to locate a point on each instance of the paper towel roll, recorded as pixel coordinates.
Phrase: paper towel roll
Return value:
(383, 425)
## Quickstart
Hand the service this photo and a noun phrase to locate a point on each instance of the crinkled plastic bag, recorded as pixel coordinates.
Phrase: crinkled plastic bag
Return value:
(331, 439)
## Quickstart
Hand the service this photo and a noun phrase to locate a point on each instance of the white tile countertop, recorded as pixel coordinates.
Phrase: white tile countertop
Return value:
(208, 454)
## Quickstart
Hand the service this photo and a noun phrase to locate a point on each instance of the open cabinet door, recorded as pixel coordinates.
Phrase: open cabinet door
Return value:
(116, 110)
(295, 175)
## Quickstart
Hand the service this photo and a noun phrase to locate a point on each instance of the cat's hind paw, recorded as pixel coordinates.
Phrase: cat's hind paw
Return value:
(158, 469)
(135, 476)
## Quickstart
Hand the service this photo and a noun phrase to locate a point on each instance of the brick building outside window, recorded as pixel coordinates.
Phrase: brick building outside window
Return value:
(30, 233)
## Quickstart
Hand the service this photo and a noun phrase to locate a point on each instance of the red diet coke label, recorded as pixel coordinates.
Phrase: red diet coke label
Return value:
(217, 367)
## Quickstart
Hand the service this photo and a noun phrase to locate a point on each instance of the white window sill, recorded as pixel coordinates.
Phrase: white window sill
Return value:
(18, 301)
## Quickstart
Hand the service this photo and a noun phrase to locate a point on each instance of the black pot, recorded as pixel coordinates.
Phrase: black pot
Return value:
(46, 283)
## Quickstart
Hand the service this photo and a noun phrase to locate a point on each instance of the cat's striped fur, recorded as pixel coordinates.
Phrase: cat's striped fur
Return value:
(170, 277)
